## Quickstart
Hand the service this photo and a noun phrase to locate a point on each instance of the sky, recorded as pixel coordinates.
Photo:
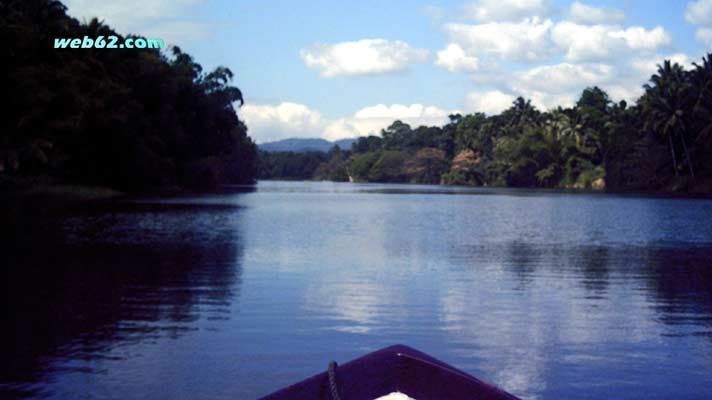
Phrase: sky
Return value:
(338, 69)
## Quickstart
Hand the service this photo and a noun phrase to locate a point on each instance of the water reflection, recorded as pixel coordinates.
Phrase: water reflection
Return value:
(83, 284)
(356, 307)
(681, 287)
(526, 315)
(549, 295)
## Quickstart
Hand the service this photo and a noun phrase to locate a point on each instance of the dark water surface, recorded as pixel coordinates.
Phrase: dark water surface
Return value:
(548, 295)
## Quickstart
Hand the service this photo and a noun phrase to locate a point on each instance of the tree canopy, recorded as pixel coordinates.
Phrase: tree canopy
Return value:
(661, 143)
(132, 119)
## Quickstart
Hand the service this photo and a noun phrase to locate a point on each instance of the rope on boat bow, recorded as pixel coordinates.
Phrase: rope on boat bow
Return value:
(332, 381)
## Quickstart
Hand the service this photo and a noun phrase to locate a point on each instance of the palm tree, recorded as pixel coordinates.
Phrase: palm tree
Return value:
(701, 83)
(96, 27)
(666, 107)
(522, 112)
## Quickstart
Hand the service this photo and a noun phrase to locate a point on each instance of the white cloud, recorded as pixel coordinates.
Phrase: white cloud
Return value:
(596, 50)
(489, 102)
(550, 86)
(647, 66)
(629, 91)
(396, 111)
(704, 35)
(699, 12)
(527, 40)
(454, 59)
(370, 120)
(586, 14)
(559, 85)
(507, 10)
(287, 120)
(600, 42)
(639, 38)
(163, 19)
(362, 57)
(563, 77)
(562, 84)
(583, 42)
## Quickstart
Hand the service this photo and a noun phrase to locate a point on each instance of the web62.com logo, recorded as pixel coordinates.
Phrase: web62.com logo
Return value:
(111, 42)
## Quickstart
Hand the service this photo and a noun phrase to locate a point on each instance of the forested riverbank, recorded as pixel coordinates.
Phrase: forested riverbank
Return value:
(127, 119)
(142, 119)
(663, 142)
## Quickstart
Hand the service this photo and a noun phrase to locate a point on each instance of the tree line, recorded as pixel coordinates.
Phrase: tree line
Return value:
(131, 119)
(663, 142)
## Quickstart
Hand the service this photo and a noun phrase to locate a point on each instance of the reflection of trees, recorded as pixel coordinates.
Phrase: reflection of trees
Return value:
(679, 278)
(523, 259)
(680, 284)
(523, 312)
(593, 261)
(79, 286)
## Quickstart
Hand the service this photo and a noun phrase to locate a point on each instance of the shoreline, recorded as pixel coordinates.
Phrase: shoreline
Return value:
(676, 194)
(52, 193)
(37, 188)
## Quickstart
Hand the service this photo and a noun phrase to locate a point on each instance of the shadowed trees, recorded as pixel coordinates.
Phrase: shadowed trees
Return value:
(666, 107)
(133, 119)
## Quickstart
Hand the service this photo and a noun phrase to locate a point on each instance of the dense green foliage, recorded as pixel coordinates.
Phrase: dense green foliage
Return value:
(664, 142)
(132, 119)
(335, 166)
(288, 165)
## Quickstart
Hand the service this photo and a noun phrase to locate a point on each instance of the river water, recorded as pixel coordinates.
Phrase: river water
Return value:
(549, 295)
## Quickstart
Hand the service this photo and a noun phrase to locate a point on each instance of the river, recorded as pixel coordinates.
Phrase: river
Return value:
(549, 295)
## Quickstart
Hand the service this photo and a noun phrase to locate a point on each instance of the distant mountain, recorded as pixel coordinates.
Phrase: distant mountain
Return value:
(298, 145)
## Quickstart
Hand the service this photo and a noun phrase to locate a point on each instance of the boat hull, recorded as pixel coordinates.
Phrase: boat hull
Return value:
(396, 368)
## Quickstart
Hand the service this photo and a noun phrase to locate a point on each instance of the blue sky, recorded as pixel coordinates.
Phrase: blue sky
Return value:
(341, 69)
